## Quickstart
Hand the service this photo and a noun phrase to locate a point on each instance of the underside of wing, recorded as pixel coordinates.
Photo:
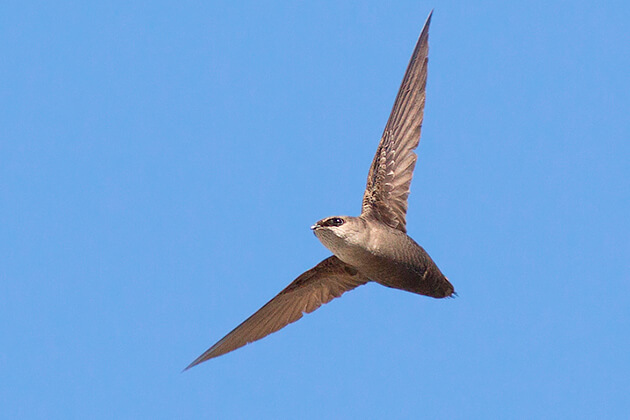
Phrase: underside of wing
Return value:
(390, 175)
(327, 280)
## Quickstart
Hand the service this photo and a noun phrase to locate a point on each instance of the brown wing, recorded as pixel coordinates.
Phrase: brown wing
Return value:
(392, 169)
(319, 285)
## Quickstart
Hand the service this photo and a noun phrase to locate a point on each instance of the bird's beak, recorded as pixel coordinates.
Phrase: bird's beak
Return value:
(314, 227)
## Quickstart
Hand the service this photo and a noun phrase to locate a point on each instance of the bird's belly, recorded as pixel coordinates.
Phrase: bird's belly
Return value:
(381, 263)
(407, 268)
(387, 271)
(356, 256)
(381, 269)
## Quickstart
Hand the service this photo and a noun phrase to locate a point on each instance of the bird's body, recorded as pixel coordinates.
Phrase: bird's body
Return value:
(385, 255)
(371, 247)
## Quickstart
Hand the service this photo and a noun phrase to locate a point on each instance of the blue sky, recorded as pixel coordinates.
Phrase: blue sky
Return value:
(161, 164)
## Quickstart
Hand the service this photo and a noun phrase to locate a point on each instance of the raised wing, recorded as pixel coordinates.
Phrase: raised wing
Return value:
(392, 168)
(319, 285)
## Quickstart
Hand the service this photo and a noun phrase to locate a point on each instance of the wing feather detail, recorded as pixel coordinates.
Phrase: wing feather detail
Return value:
(391, 172)
(327, 280)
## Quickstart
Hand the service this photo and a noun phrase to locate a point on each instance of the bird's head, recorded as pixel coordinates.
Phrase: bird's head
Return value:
(338, 231)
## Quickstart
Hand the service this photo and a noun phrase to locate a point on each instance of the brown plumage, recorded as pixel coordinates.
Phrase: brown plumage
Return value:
(371, 247)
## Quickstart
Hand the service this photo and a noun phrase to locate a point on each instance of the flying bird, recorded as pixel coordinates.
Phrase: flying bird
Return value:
(372, 247)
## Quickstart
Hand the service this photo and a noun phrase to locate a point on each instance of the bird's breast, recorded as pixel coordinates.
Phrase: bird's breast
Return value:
(388, 255)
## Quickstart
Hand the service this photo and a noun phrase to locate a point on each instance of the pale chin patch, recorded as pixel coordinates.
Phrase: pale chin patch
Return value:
(330, 239)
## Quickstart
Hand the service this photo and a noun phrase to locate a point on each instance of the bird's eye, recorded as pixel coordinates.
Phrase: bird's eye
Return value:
(336, 221)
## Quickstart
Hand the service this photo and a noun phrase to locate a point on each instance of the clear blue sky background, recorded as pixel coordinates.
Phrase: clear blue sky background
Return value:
(161, 163)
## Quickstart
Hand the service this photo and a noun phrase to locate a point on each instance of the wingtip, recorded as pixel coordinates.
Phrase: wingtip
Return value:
(188, 367)
(428, 22)
(195, 362)
(424, 34)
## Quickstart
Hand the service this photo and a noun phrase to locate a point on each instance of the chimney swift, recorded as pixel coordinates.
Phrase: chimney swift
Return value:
(372, 247)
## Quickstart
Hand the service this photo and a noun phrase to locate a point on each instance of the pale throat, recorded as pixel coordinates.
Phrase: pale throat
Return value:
(349, 249)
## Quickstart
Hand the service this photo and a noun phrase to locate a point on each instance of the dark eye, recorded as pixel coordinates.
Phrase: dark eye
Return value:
(335, 221)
